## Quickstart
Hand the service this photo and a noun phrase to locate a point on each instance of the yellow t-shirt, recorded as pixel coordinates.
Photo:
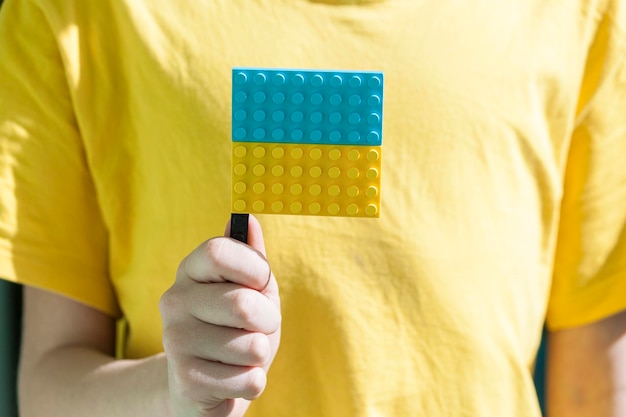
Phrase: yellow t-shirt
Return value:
(503, 183)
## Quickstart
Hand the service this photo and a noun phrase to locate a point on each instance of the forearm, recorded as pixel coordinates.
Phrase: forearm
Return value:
(587, 370)
(67, 366)
(78, 382)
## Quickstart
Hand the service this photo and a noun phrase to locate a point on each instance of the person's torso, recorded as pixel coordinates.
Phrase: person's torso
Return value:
(434, 309)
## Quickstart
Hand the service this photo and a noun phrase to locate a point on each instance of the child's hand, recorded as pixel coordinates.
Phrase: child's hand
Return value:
(221, 326)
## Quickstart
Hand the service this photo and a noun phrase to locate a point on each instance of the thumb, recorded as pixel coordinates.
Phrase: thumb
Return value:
(255, 240)
(255, 232)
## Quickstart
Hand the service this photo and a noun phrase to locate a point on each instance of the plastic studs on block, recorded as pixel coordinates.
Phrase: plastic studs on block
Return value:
(304, 106)
(306, 142)
(323, 180)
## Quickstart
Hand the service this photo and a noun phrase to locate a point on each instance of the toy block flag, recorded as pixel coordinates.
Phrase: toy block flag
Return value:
(306, 142)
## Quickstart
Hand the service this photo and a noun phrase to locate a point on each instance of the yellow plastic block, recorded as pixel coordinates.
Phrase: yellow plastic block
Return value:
(305, 179)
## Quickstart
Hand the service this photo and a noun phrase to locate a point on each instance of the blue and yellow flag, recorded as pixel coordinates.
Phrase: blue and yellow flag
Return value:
(306, 142)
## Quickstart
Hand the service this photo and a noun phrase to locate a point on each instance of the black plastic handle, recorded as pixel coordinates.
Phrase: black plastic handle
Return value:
(239, 226)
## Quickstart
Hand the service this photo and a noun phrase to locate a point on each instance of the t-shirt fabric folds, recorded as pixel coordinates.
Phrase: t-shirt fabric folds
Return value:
(503, 195)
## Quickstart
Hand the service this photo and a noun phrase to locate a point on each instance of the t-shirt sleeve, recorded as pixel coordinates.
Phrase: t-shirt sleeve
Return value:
(590, 270)
(52, 235)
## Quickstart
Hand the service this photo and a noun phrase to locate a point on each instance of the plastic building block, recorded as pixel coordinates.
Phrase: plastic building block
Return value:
(304, 106)
(324, 180)
(306, 142)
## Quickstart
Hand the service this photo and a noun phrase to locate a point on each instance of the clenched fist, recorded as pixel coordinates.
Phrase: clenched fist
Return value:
(221, 326)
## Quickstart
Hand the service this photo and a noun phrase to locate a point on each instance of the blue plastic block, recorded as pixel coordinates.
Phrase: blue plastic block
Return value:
(307, 106)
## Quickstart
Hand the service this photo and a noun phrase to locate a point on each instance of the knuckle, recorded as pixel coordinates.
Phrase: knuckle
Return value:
(213, 249)
(255, 385)
(168, 302)
(244, 308)
(259, 349)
